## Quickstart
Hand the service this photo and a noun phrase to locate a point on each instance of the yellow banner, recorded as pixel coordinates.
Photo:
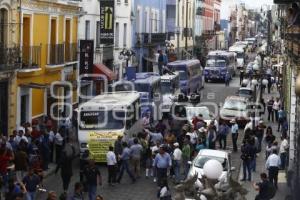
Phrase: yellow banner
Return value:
(99, 144)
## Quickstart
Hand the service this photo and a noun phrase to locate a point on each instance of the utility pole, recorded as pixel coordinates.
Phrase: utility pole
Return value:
(186, 25)
(269, 18)
(178, 29)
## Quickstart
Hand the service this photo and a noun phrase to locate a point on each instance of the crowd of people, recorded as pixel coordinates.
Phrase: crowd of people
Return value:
(26, 154)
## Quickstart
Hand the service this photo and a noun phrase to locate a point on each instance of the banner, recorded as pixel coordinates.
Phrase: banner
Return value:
(107, 12)
(86, 56)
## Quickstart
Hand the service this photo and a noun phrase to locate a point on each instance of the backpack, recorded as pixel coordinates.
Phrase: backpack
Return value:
(271, 190)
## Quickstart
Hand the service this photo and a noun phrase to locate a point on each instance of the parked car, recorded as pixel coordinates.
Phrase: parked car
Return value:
(246, 92)
(205, 155)
(188, 112)
(235, 107)
(193, 111)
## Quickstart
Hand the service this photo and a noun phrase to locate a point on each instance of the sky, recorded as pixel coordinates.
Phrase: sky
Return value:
(225, 11)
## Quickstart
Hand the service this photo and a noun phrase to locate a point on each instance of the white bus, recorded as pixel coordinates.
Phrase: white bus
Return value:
(240, 55)
(105, 117)
(169, 87)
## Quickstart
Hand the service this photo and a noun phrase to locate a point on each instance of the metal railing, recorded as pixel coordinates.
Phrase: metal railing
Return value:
(9, 58)
(56, 54)
(31, 56)
(71, 52)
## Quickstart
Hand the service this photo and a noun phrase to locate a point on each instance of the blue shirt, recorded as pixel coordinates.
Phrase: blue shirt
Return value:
(125, 154)
(223, 129)
(162, 161)
(234, 129)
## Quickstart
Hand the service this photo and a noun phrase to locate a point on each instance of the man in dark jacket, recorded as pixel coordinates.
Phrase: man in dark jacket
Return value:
(248, 154)
(65, 164)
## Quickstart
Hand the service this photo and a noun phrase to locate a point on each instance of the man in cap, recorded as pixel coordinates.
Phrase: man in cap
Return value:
(177, 157)
(234, 134)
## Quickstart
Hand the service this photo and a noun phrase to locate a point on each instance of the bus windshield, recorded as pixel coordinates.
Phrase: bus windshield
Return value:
(240, 55)
(102, 120)
(142, 87)
(213, 63)
(183, 75)
(166, 87)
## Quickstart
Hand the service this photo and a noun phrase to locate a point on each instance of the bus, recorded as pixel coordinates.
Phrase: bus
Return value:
(218, 64)
(105, 117)
(169, 89)
(240, 55)
(148, 85)
(190, 75)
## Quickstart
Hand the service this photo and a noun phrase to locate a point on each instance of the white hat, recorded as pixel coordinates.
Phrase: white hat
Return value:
(232, 121)
(176, 144)
(261, 121)
(202, 129)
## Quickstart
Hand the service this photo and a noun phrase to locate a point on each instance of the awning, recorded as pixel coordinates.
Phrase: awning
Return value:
(34, 86)
(102, 69)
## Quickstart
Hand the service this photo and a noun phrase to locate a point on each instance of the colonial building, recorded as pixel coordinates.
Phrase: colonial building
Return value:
(48, 41)
(180, 26)
(10, 60)
(149, 31)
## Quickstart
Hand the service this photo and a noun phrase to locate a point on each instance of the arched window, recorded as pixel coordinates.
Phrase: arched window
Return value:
(3, 26)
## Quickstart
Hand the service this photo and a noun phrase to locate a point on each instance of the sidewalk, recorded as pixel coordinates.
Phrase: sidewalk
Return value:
(283, 189)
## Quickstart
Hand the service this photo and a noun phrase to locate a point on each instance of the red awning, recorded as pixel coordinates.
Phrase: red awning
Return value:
(102, 69)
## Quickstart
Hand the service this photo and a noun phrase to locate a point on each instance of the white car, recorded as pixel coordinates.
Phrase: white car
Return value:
(207, 154)
(193, 111)
(246, 92)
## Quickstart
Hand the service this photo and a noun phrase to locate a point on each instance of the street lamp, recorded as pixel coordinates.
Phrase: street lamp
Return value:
(126, 54)
(212, 170)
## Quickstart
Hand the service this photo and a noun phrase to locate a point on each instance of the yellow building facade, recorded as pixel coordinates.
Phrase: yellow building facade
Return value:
(48, 39)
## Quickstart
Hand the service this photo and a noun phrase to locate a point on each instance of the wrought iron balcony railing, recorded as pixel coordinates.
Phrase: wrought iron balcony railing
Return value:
(292, 38)
(9, 58)
(31, 57)
(56, 54)
(71, 52)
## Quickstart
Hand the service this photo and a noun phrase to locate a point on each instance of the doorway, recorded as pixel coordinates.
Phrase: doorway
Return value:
(4, 108)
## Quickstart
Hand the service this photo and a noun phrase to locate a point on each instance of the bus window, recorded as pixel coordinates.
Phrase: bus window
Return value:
(99, 120)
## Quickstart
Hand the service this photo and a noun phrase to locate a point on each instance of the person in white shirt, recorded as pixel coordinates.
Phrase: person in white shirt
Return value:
(111, 166)
(276, 107)
(283, 151)
(146, 121)
(20, 137)
(193, 137)
(58, 141)
(177, 158)
(272, 165)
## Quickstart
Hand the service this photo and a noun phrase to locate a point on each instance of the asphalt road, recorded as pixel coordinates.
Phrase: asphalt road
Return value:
(213, 95)
(145, 189)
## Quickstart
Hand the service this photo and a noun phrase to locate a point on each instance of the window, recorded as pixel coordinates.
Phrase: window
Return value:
(3, 27)
(171, 11)
(98, 34)
(138, 30)
(87, 29)
(117, 32)
(126, 2)
(156, 23)
(125, 35)
(163, 22)
(118, 1)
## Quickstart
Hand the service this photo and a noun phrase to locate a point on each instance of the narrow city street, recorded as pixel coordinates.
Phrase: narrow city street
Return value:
(149, 99)
(144, 188)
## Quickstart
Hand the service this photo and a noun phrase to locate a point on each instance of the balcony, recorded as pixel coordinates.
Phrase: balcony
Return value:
(293, 42)
(9, 58)
(200, 11)
(158, 38)
(56, 54)
(71, 53)
(31, 57)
